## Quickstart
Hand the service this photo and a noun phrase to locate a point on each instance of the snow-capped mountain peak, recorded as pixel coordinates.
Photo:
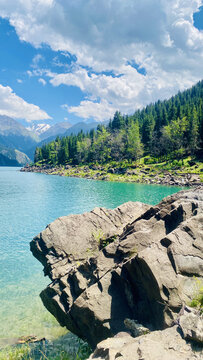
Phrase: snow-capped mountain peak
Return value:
(39, 128)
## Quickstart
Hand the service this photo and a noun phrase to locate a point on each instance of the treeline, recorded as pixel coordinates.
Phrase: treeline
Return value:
(164, 129)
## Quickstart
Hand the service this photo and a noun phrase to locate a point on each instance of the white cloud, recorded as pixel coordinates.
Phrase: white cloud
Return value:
(158, 35)
(19, 81)
(36, 60)
(98, 110)
(29, 73)
(127, 92)
(42, 81)
(114, 92)
(14, 106)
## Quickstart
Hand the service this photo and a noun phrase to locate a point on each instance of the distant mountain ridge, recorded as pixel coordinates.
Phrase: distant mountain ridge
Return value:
(18, 143)
(50, 132)
(12, 157)
(85, 127)
(56, 129)
(74, 130)
(9, 125)
(15, 139)
(38, 129)
(13, 135)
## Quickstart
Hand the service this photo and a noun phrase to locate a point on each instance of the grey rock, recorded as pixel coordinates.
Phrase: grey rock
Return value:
(135, 328)
(158, 345)
(136, 262)
(74, 238)
(191, 324)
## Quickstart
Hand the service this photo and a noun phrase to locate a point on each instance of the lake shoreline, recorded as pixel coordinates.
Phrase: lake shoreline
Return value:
(138, 174)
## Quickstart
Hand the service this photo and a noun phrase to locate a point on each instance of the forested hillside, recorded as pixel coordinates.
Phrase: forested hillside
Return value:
(166, 129)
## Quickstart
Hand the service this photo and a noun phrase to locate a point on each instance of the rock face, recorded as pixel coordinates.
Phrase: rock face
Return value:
(135, 262)
(158, 345)
(191, 325)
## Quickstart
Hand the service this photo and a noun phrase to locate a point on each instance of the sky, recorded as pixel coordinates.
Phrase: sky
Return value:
(81, 60)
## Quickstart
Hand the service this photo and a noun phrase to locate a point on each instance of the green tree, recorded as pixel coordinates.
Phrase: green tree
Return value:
(193, 131)
(147, 130)
(101, 146)
(118, 121)
(117, 145)
(175, 134)
(83, 147)
(134, 145)
(38, 155)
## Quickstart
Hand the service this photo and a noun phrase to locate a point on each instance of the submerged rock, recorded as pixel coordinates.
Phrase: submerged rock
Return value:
(135, 262)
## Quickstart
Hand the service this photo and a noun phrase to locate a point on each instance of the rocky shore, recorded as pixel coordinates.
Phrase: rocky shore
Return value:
(138, 174)
(124, 280)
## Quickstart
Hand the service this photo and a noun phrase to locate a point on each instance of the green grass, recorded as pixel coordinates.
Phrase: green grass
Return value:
(37, 352)
(16, 353)
(197, 302)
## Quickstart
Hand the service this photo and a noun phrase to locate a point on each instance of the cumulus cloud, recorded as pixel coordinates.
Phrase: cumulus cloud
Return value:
(42, 81)
(36, 60)
(14, 106)
(98, 110)
(105, 93)
(126, 92)
(157, 35)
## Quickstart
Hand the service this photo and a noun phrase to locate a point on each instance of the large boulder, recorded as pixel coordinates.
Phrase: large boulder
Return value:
(135, 262)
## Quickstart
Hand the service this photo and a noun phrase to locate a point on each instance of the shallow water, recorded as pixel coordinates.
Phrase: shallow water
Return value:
(28, 202)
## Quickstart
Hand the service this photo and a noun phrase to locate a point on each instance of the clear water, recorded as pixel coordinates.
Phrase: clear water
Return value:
(28, 202)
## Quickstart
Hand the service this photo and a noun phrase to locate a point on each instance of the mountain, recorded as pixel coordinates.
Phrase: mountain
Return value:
(75, 129)
(54, 130)
(38, 129)
(13, 135)
(85, 127)
(18, 142)
(12, 157)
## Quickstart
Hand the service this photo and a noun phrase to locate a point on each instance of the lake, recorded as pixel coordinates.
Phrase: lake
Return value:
(28, 202)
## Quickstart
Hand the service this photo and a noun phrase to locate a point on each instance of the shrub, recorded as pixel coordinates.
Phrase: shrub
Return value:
(197, 301)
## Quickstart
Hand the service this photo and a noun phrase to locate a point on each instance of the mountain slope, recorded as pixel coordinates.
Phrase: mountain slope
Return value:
(12, 157)
(57, 129)
(38, 129)
(85, 127)
(13, 135)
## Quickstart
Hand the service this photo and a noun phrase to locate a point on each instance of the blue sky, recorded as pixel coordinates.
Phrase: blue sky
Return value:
(19, 60)
(82, 60)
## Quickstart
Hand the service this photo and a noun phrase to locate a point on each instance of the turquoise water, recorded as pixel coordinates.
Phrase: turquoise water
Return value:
(28, 202)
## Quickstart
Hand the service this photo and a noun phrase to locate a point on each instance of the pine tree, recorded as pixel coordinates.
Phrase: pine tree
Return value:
(118, 121)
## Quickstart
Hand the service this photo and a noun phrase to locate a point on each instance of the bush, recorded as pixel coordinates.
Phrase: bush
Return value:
(149, 160)
(197, 301)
